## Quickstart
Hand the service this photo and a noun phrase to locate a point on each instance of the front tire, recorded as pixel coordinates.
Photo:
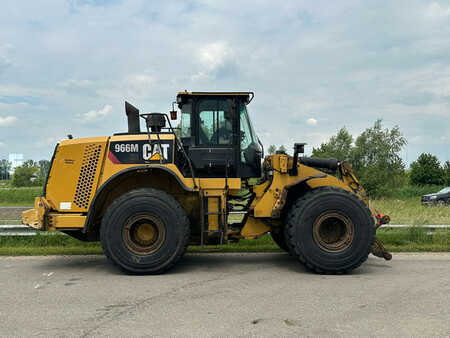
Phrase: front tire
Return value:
(330, 230)
(145, 231)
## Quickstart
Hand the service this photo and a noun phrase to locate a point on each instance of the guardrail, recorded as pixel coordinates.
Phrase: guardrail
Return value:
(23, 230)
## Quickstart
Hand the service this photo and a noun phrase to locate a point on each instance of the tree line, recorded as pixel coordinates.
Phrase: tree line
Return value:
(376, 161)
(30, 173)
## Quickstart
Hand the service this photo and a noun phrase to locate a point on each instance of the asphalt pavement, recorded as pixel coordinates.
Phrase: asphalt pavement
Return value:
(220, 295)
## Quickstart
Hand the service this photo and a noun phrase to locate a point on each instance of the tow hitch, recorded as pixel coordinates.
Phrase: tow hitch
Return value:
(378, 249)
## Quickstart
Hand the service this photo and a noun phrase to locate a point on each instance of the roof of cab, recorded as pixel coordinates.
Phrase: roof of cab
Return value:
(249, 95)
(214, 93)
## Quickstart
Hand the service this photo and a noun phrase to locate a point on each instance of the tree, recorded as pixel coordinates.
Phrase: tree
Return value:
(376, 160)
(427, 170)
(272, 149)
(282, 148)
(5, 167)
(447, 173)
(26, 175)
(44, 167)
(339, 146)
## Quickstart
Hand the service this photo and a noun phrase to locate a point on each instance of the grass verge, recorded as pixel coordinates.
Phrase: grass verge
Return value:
(411, 211)
(397, 240)
(19, 196)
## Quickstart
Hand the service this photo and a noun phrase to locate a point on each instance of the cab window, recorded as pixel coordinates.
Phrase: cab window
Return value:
(215, 122)
(248, 136)
(186, 111)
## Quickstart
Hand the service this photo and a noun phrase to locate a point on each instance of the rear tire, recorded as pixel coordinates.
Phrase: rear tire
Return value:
(330, 230)
(145, 231)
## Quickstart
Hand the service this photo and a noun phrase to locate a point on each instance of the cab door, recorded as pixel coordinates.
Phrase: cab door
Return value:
(213, 148)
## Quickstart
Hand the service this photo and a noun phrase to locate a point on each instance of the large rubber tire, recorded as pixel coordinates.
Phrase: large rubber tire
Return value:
(330, 230)
(145, 231)
(280, 240)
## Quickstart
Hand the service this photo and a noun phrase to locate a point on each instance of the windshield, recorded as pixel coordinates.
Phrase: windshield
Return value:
(248, 136)
(445, 190)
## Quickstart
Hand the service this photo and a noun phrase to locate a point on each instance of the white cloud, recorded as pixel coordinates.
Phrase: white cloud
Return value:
(211, 58)
(214, 54)
(7, 120)
(395, 68)
(435, 10)
(311, 121)
(97, 114)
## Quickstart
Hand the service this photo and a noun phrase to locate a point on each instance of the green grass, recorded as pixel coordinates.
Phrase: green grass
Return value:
(397, 240)
(414, 191)
(19, 196)
(411, 211)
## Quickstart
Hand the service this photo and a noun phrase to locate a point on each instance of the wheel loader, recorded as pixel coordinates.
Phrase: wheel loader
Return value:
(146, 195)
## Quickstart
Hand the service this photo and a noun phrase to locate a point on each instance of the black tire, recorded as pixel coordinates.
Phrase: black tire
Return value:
(278, 237)
(330, 230)
(145, 231)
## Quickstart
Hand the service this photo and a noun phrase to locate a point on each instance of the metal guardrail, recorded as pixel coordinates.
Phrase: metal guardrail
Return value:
(24, 230)
(16, 230)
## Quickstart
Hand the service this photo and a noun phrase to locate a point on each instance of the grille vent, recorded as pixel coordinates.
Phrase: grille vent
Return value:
(87, 175)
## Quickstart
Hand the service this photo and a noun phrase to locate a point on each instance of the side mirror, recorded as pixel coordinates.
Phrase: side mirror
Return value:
(173, 112)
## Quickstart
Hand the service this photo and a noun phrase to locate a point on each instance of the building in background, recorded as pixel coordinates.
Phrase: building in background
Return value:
(16, 160)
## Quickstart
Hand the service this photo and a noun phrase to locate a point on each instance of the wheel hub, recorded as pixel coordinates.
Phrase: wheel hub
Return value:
(333, 232)
(143, 234)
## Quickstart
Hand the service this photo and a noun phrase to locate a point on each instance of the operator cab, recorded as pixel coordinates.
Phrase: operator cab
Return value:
(217, 134)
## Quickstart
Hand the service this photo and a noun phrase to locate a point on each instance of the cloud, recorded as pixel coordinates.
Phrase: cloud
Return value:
(435, 10)
(97, 114)
(7, 120)
(302, 59)
(216, 59)
(311, 121)
(215, 54)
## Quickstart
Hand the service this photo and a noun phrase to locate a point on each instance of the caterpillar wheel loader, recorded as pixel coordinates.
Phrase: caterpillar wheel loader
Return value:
(146, 195)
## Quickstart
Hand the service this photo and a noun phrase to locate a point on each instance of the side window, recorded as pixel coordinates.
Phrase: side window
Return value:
(215, 122)
(186, 120)
(247, 136)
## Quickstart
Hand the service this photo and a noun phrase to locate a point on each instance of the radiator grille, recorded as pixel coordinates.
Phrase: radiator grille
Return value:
(87, 175)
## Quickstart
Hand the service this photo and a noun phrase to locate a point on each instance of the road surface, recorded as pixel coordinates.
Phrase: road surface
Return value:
(249, 295)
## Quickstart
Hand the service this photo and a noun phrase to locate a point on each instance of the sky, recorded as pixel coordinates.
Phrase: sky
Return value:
(66, 67)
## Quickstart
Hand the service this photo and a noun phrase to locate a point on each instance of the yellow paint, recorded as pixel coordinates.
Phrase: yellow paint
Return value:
(254, 228)
(35, 217)
(264, 203)
(61, 221)
(70, 157)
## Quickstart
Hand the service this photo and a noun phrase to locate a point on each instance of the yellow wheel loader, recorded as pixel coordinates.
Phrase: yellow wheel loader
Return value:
(146, 195)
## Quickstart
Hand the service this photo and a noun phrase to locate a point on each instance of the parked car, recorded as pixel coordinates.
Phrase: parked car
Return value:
(441, 197)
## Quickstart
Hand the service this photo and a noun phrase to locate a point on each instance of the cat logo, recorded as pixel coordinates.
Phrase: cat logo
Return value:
(155, 154)
(141, 151)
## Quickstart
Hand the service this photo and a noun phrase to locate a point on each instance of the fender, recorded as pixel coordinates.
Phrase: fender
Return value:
(281, 201)
(91, 211)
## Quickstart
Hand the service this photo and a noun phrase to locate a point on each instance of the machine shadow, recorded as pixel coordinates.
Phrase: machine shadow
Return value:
(196, 262)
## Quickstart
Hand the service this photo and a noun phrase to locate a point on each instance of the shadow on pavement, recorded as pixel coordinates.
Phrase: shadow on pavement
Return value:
(195, 262)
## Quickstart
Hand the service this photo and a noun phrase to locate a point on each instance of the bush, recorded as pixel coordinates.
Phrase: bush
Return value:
(426, 170)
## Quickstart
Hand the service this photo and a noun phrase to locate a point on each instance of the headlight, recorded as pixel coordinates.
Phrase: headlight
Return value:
(433, 197)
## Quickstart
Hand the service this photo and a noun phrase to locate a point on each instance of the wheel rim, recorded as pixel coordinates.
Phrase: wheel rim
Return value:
(143, 234)
(333, 232)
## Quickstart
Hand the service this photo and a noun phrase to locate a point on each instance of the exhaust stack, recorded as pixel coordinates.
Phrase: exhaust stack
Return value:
(133, 118)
